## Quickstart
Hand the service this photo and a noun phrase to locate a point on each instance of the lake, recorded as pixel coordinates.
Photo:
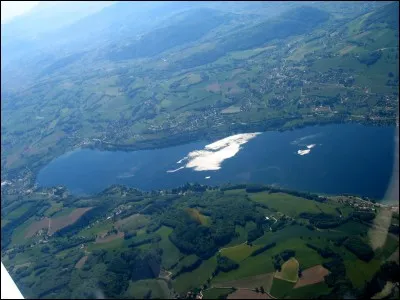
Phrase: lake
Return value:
(332, 159)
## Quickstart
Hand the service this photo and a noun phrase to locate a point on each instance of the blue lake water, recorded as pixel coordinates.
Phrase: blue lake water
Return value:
(346, 158)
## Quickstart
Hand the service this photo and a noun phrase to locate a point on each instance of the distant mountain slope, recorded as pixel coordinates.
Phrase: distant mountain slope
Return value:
(49, 16)
(68, 34)
(388, 14)
(296, 21)
(189, 26)
(25, 33)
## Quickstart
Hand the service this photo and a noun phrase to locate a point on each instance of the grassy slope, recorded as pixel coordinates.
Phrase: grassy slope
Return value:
(309, 291)
(171, 254)
(138, 289)
(281, 288)
(195, 278)
(292, 205)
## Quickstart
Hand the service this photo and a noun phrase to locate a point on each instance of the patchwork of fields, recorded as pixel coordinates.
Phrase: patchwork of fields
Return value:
(262, 268)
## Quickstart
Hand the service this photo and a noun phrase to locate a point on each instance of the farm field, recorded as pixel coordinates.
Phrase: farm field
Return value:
(114, 244)
(165, 267)
(289, 271)
(292, 205)
(215, 293)
(247, 294)
(81, 262)
(240, 252)
(109, 238)
(133, 222)
(311, 275)
(281, 288)
(157, 289)
(252, 282)
(198, 276)
(171, 254)
(307, 292)
(56, 222)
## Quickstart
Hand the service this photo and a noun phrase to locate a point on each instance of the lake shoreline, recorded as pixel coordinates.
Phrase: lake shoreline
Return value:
(175, 141)
(291, 159)
(180, 139)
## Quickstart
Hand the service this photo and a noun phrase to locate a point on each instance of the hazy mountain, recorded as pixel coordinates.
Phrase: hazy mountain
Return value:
(49, 16)
(57, 32)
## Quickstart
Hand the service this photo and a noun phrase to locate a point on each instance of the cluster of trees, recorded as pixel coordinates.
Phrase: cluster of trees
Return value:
(362, 250)
(136, 264)
(225, 211)
(306, 195)
(339, 241)
(389, 271)
(393, 228)
(225, 264)
(370, 58)
(324, 252)
(256, 188)
(63, 244)
(279, 224)
(260, 290)
(51, 274)
(159, 205)
(323, 220)
(22, 272)
(282, 257)
(229, 187)
(255, 233)
(193, 238)
(194, 187)
(188, 268)
(337, 277)
(263, 249)
(144, 239)
(121, 267)
(287, 254)
(363, 215)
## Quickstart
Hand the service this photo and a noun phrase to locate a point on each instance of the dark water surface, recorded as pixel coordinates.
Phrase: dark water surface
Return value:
(346, 158)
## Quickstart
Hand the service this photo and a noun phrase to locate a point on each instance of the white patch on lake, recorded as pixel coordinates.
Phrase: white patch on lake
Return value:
(176, 170)
(207, 177)
(306, 151)
(181, 160)
(303, 152)
(212, 156)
